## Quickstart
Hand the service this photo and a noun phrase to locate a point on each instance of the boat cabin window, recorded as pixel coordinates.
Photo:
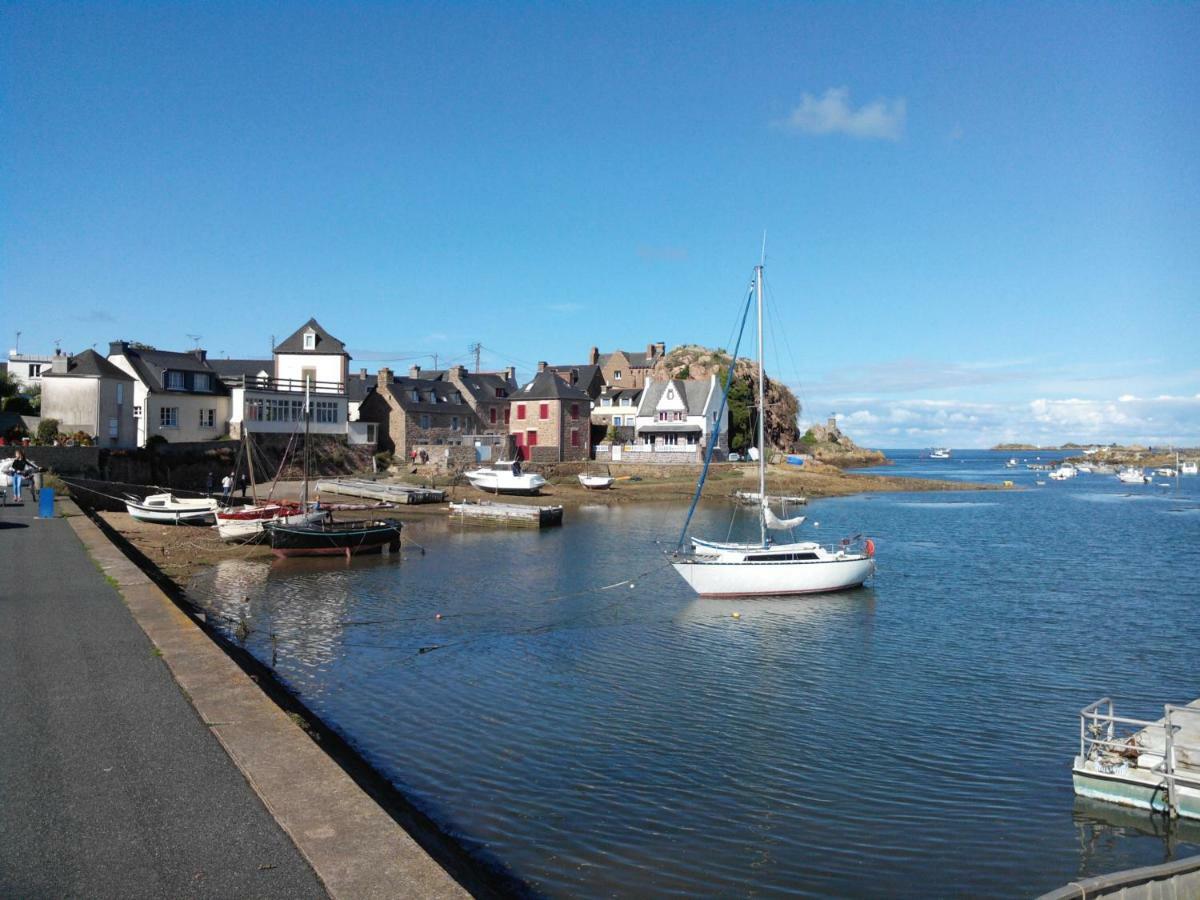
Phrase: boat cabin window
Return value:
(781, 557)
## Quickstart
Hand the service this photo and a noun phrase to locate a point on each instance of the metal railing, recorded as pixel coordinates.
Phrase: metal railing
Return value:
(283, 385)
(1101, 733)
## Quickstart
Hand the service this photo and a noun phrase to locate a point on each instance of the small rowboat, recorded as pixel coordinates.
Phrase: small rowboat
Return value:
(333, 538)
(596, 482)
(167, 509)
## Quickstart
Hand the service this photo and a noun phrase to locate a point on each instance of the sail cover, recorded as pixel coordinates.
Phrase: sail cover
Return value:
(778, 524)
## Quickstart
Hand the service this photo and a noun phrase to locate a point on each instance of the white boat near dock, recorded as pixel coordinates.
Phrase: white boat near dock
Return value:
(505, 477)
(168, 509)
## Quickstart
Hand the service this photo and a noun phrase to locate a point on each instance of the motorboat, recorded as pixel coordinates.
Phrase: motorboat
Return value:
(1132, 475)
(333, 538)
(505, 477)
(939, 453)
(1165, 472)
(245, 524)
(1188, 468)
(764, 567)
(1063, 472)
(167, 509)
(1011, 464)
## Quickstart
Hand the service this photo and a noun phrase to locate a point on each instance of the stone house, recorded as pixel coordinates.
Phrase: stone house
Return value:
(550, 420)
(487, 393)
(87, 393)
(627, 369)
(675, 420)
(588, 378)
(177, 396)
(416, 411)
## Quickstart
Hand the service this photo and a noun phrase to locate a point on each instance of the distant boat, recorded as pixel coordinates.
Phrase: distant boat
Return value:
(1011, 464)
(764, 568)
(1132, 475)
(167, 509)
(939, 453)
(1188, 468)
(1063, 472)
(1165, 472)
(505, 477)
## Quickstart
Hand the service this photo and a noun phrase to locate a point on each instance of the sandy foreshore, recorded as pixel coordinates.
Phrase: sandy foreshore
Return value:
(180, 551)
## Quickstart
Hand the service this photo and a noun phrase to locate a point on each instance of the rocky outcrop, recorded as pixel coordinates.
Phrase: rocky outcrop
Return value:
(828, 444)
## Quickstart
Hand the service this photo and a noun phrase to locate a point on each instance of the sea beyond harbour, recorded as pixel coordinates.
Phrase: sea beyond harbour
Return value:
(562, 704)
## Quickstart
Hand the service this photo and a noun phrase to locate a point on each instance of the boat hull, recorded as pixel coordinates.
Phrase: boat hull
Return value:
(596, 482)
(722, 578)
(253, 529)
(339, 539)
(170, 511)
(521, 485)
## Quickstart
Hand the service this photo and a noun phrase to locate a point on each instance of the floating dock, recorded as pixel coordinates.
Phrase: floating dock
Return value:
(1149, 765)
(751, 498)
(484, 512)
(378, 490)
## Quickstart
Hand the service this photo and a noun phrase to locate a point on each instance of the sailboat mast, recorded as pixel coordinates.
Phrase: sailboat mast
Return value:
(762, 412)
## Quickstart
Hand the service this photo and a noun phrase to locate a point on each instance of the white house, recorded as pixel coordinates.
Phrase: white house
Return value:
(87, 393)
(675, 419)
(177, 396)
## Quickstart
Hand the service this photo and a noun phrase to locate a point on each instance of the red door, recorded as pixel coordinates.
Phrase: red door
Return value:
(530, 441)
(519, 440)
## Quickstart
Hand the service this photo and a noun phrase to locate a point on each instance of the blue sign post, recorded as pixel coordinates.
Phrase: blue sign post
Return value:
(46, 503)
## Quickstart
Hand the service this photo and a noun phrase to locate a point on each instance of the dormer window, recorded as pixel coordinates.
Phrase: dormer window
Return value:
(200, 382)
(310, 340)
(174, 381)
(416, 396)
(670, 394)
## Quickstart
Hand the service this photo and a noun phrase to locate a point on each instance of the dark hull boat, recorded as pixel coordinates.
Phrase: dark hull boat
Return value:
(334, 538)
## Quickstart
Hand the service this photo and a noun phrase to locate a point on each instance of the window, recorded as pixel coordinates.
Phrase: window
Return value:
(616, 374)
(415, 395)
(606, 401)
(325, 411)
(616, 420)
(200, 382)
(574, 410)
(492, 415)
(168, 417)
(120, 394)
(670, 394)
(543, 411)
(507, 415)
(35, 369)
(207, 418)
(114, 428)
(310, 340)
(501, 392)
(574, 437)
(174, 381)
(454, 423)
(137, 412)
(424, 420)
(520, 412)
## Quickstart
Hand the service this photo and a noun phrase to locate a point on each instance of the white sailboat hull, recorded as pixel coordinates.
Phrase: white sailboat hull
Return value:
(731, 578)
(252, 529)
(505, 483)
(170, 510)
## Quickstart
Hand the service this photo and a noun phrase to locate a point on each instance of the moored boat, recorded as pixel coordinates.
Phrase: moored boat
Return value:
(1132, 475)
(167, 509)
(333, 538)
(505, 477)
(939, 453)
(246, 523)
(766, 568)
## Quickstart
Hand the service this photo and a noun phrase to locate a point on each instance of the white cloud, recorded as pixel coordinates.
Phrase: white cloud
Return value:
(831, 113)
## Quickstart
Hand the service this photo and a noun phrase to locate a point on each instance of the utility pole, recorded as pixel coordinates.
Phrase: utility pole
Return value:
(435, 362)
(476, 348)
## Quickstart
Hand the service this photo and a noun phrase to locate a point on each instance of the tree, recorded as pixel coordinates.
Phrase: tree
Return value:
(19, 405)
(47, 431)
(9, 386)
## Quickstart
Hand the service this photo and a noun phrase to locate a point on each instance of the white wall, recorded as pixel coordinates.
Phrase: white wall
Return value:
(329, 367)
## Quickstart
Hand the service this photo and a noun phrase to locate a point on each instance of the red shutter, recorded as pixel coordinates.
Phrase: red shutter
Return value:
(507, 414)
(493, 415)
(574, 437)
(520, 411)
(544, 410)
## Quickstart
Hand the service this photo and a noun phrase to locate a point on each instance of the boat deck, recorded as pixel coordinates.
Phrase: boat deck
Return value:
(1151, 765)
(380, 490)
(484, 512)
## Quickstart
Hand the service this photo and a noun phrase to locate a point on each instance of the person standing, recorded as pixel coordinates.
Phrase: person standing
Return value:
(21, 469)
(227, 487)
(243, 483)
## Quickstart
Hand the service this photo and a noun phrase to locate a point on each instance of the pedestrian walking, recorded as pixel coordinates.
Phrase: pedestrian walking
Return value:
(243, 483)
(227, 487)
(21, 470)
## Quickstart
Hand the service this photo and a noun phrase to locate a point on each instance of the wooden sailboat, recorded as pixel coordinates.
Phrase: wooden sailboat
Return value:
(245, 524)
(764, 567)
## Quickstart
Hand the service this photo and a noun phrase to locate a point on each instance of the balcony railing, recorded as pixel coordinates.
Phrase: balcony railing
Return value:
(283, 385)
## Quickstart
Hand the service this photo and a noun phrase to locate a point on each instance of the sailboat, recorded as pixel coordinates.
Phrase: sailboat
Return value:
(325, 537)
(245, 524)
(764, 567)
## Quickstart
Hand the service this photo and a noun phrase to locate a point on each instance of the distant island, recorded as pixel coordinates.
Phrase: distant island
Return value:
(1068, 446)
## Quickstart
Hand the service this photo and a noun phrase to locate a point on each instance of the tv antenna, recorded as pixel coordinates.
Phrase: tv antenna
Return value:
(196, 338)
(475, 348)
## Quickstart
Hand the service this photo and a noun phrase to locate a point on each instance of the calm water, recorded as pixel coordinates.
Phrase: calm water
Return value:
(912, 738)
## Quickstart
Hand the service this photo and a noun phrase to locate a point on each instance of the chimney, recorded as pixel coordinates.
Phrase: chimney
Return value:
(542, 366)
(201, 355)
(574, 376)
(362, 374)
(660, 349)
(383, 378)
(414, 372)
(58, 365)
(594, 357)
(510, 374)
(458, 372)
(118, 348)
(649, 351)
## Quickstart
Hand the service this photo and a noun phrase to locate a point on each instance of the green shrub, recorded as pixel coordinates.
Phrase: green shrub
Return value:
(47, 431)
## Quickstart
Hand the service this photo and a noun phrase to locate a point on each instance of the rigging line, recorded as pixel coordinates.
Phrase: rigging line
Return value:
(712, 439)
(803, 397)
(512, 359)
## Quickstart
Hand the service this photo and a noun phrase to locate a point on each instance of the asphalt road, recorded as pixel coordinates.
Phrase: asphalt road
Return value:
(110, 785)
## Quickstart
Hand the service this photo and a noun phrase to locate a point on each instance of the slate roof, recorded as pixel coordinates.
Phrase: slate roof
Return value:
(150, 365)
(436, 396)
(242, 368)
(483, 386)
(548, 386)
(618, 394)
(325, 344)
(693, 393)
(639, 360)
(358, 387)
(89, 363)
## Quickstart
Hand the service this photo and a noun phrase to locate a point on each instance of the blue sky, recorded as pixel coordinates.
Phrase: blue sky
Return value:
(983, 220)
